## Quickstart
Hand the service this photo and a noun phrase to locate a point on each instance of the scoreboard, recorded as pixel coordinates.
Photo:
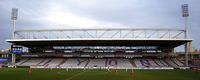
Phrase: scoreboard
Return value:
(16, 49)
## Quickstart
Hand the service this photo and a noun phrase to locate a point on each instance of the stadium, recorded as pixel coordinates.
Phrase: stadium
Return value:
(98, 53)
(74, 54)
(99, 48)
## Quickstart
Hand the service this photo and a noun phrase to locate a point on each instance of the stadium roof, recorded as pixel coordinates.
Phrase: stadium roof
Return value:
(99, 42)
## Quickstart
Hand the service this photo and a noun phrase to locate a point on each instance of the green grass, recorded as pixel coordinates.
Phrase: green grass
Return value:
(62, 74)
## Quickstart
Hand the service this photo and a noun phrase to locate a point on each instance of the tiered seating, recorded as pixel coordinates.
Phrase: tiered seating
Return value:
(137, 62)
(177, 62)
(96, 63)
(22, 61)
(43, 62)
(164, 63)
(54, 62)
(112, 63)
(152, 63)
(31, 62)
(145, 62)
(170, 62)
(124, 63)
(79, 63)
(132, 63)
(99, 63)
(160, 64)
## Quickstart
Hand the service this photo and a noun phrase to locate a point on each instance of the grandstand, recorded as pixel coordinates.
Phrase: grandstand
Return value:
(99, 63)
(98, 48)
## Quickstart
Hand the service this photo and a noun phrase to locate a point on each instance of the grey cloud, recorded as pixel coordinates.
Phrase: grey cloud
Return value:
(132, 13)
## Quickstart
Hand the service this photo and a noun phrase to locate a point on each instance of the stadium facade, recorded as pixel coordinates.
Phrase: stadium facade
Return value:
(121, 48)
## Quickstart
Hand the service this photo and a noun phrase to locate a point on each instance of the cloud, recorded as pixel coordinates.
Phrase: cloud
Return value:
(58, 15)
(45, 14)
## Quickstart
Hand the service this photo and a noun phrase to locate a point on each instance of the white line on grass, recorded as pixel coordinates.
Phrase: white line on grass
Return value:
(74, 76)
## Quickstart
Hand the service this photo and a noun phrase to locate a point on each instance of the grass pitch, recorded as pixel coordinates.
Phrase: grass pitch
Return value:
(77, 74)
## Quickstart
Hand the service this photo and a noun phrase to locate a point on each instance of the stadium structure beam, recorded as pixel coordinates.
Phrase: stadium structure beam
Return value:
(100, 29)
(177, 35)
(99, 33)
(100, 42)
(151, 35)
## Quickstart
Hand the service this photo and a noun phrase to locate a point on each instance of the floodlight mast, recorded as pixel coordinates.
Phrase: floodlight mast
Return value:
(14, 14)
(185, 15)
(14, 18)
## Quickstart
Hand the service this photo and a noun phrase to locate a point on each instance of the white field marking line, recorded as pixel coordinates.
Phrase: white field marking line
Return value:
(74, 76)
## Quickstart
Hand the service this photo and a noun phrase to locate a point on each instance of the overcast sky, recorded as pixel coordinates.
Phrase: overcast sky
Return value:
(43, 14)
